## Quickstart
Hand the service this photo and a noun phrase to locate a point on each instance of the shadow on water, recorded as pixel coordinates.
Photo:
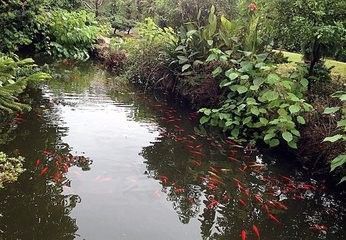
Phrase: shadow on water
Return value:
(154, 174)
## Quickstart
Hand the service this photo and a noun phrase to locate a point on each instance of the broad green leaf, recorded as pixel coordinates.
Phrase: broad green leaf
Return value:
(207, 111)
(242, 89)
(232, 75)
(182, 59)
(255, 111)
(274, 142)
(301, 120)
(204, 120)
(270, 95)
(235, 132)
(331, 110)
(217, 71)
(338, 162)
(185, 67)
(226, 83)
(295, 132)
(273, 78)
(287, 136)
(264, 121)
(211, 57)
(269, 136)
(293, 145)
(304, 82)
(342, 180)
(333, 138)
(294, 108)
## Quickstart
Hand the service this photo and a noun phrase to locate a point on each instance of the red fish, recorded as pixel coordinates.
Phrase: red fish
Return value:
(280, 205)
(44, 171)
(256, 231)
(258, 198)
(37, 163)
(319, 228)
(213, 204)
(243, 235)
(242, 202)
(163, 179)
(273, 218)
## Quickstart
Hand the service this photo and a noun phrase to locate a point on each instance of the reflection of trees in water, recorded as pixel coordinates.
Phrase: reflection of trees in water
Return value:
(35, 207)
(182, 192)
(228, 197)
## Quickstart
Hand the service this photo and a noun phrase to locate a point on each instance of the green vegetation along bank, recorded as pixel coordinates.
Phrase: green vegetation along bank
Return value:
(216, 55)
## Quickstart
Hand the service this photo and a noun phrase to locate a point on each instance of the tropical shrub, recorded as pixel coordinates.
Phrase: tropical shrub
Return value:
(10, 168)
(70, 34)
(147, 58)
(260, 104)
(15, 76)
(18, 23)
(340, 135)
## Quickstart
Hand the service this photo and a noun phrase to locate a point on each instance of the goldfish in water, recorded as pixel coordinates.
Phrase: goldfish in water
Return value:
(243, 235)
(256, 231)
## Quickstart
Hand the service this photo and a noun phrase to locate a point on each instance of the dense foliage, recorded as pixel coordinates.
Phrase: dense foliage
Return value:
(340, 133)
(15, 76)
(70, 34)
(260, 104)
(315, 27)
(10, 168)
(216, 54)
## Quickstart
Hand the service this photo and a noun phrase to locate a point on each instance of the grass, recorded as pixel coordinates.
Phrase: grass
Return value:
(338, 71)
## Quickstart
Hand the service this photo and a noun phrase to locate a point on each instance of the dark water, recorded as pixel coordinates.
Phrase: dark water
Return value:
(115, 163)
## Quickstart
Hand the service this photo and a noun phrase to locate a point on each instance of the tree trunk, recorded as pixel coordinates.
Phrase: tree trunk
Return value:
(314, 58)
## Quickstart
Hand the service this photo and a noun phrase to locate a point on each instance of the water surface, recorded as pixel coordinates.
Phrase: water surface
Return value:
(105, 161)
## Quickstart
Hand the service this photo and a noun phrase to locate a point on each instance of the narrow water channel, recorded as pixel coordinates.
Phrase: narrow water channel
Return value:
(104, 161)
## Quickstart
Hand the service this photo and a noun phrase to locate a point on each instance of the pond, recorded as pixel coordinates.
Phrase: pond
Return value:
(106, 161)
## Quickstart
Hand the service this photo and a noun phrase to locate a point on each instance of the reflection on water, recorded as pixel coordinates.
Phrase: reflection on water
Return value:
(107, 162)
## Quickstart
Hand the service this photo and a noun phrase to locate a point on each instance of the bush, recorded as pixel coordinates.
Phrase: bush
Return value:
(260, 104)
(70, 34)
(15, 76)
(340, 133)
(147, 58)
(10, 169)
(18, 23)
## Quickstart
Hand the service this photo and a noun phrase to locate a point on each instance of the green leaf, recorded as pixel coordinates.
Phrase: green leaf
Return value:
(185, 67)
(264, 121)
(295, 132)
(293, 145)
(225, 83)
(182, 59)
(304, 82)
(235, 132)
(255, 111)
(247, 120)
(274, 142)
(242, 89)
(342, 180)
(217, 71)
(269, 136)
(333, 138)
(207, 111)
(331, 110)
(301, 120)
(294, 108)
(273, 78)
(204, 120)
(270, 95)
(211, 57)
(337, 162)
(287, 136)
(232, 75)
